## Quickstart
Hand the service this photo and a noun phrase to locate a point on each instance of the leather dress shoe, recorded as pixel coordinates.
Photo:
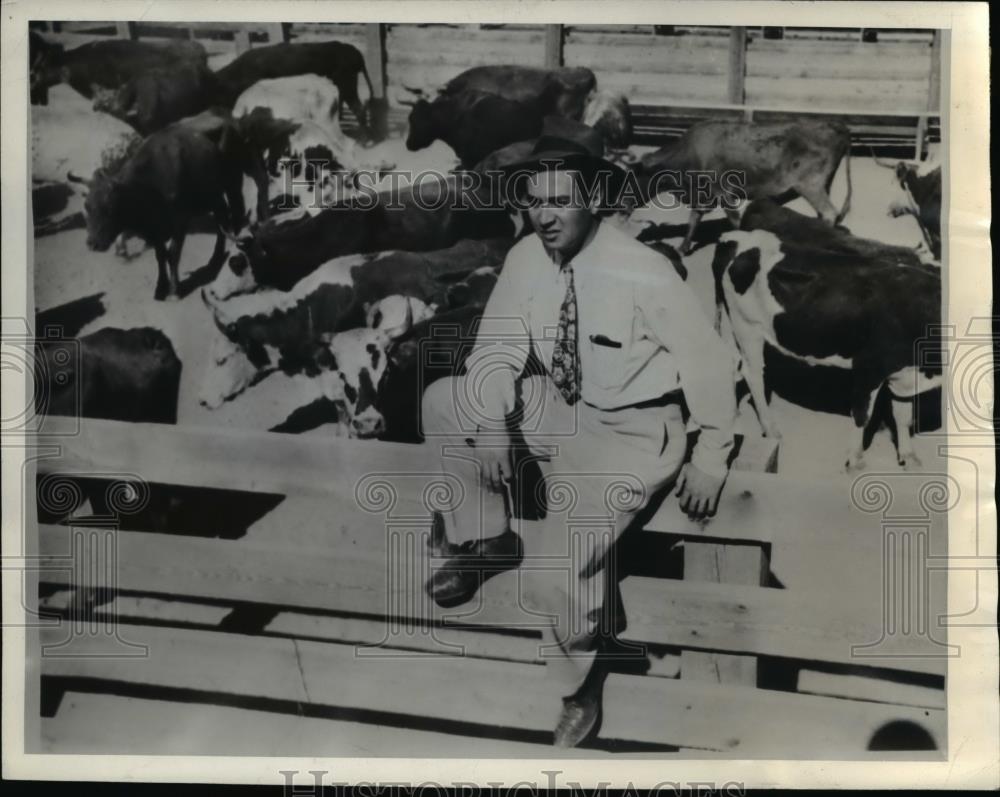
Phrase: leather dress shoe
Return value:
(475, 561)
(578, 719)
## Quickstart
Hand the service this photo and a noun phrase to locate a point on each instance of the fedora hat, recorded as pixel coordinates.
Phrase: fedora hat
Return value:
(567, 144)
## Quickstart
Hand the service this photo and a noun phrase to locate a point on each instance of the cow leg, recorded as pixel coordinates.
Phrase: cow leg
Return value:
(173, 263)
(162, 283)
(862, 404)
(751, 345)
(902, 414)
(817, 196)
(692, 226)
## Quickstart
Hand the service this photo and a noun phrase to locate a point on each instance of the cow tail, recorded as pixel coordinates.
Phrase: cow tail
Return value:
(847, 199)
(368, 80)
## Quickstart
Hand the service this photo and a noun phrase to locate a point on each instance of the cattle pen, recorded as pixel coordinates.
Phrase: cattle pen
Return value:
(244, 627)
(673, 75)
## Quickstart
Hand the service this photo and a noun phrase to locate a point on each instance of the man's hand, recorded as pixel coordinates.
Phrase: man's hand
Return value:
(492, 451)
(698, 492)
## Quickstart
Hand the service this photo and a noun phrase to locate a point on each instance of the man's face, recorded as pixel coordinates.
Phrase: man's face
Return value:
(557, 211)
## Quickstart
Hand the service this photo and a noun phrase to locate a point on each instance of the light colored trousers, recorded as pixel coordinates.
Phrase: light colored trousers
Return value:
(601, 467)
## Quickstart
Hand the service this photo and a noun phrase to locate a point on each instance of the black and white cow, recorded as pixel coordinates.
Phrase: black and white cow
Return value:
(870, 315)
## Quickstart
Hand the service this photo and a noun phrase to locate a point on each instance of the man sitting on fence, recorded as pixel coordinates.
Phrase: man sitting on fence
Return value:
(621, 337)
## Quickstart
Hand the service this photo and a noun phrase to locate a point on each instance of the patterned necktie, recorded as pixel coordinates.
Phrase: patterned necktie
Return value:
(565, 353)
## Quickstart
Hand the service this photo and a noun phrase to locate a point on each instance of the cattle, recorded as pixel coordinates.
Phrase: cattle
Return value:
(356, 362)
(340, 63)
(154, 98)
(293, 122)
(115, 374)
(560, 91)
(865, 314)
(796, 228)
(174, 176)
(734, 161)
(473, 123)
(922, 186)
(104, 64)
(428, 351)
(260, 332)
(297, 99)
(427, 215)
(58, 149)
(610, 115)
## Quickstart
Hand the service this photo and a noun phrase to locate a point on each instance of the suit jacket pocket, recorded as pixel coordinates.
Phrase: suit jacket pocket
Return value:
(604, 361)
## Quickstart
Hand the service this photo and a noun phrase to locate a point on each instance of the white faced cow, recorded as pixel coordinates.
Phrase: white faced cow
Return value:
(360, 357)
(305, 160)
(871, 315)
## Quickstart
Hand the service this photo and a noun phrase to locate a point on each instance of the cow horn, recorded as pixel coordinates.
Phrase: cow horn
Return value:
(418, 90)
(76, 179)
(879, 161)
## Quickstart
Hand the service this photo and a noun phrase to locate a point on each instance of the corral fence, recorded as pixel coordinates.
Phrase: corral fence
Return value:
(205, 639)
(885, 84)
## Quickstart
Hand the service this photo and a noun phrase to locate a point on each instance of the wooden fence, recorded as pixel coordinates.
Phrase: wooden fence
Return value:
(885, 83)
(262, 645)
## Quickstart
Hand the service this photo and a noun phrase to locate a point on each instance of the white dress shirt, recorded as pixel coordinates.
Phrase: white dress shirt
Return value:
(642, 334)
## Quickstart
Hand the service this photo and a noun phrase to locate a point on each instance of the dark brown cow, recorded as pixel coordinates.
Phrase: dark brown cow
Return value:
(473, 123)
(104, 64)
(177, 174)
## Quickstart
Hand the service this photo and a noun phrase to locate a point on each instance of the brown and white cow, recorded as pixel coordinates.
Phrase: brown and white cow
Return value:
(265, 330)
(870, 315)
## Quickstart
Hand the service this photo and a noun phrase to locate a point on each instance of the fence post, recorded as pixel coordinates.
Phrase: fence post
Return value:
(277, 33)
(127, 30)
(242, 40)
(375, 59)
(553, 46)
(737, 64)
(723, 564)
(934, 88)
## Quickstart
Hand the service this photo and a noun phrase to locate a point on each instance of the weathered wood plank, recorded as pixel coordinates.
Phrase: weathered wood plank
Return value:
(200, 457)
(662, 612)
(722, 564)
(849, 94)
(487, 694)
(858, 687)
(934, 85)
(747, 510)
(726, 617)
(138, 726)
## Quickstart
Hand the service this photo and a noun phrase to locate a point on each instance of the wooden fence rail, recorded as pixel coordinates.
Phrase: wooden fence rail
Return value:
(707, 643)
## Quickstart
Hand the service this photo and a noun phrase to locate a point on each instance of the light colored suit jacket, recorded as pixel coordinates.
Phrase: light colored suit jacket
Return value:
(642, 334)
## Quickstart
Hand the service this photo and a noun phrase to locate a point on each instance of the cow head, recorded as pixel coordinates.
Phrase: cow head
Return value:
(103, 207)
(609, 114)
(359, 359)
(232, 367)
(422, 128)
(234, 278)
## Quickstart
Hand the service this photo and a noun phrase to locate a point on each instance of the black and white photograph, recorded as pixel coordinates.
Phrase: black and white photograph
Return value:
(503, 389)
